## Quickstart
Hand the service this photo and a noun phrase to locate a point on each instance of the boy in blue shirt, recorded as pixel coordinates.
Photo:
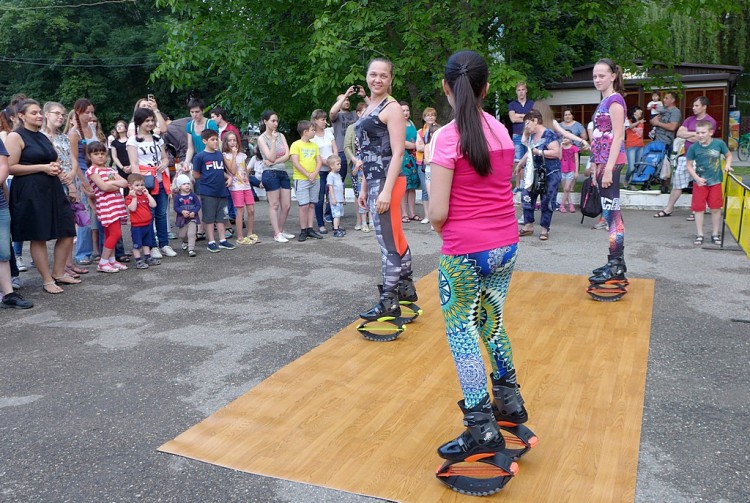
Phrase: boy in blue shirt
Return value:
(208, 167)
(704, 165)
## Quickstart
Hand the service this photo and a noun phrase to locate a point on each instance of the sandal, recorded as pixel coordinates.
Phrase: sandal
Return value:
(662, 214)
(691, 217)
(66, 279)
(71, 273)
(716, 239)
(123, 258)
(699, 240)
(416, 218)
(544, 236)
(405, 220)
(84, 261)
(526, 232)
(52, 288)
(74, 269)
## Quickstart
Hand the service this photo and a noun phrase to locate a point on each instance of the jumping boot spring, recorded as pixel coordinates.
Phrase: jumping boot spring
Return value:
(508, 404)
(614, 270)
(406, 290)
(482, 434)
(387, 307)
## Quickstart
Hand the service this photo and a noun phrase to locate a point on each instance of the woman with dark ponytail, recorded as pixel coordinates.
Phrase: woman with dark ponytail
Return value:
(607, 160)
(480, 246)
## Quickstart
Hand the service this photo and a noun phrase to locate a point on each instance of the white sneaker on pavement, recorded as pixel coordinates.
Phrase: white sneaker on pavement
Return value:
(287, 235)
(21, 266)
(168, 251)
(280, 238)
(155, 253)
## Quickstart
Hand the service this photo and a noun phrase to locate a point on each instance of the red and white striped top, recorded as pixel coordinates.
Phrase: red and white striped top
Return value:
(110, 206)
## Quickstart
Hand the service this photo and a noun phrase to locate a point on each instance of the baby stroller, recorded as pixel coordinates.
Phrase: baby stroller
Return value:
(647, 170)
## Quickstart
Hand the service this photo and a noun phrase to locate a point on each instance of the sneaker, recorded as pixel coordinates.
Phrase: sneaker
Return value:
(21, 266)
(280, 238)
(338, 233)
(312, 234)
(172, 235)
(191, 253)
(168, 251)
(228, 233)
(15, 301)
(119, 266)
(328, 219)
(226, 245)
(600, 225)
(213, 248)
(365, 228)
(153, 261)
(200, 236)
(302, 236)
(155, 253)
(287, 235)
(108, 268)
(16, 282)
(184, 245)
(358, 227)
(425, 220)
(141, 264)
(323, 230)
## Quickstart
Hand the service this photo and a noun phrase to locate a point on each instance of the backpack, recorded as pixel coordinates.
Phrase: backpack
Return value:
(591, 203)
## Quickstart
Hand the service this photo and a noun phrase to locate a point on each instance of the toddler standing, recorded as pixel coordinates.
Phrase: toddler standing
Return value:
(336, 194)
(140, 202)
(110, 205)
(186, 206)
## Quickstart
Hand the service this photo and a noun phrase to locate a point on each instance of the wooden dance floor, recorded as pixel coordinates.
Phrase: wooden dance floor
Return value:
(366, 417)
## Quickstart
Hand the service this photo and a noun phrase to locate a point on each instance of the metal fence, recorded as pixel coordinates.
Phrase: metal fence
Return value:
(737, 211)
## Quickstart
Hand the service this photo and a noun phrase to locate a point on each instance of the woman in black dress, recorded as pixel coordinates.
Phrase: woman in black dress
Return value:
(39, 209)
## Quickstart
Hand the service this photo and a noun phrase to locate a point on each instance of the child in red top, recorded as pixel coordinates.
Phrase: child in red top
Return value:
(569, 170)
(139, 203)
(110, 206)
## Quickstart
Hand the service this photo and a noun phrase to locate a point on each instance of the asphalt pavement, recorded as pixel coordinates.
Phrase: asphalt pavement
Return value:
(94, 380)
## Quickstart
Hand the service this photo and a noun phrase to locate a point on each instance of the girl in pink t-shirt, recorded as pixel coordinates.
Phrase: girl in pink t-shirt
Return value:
(480, 246)
(569, 170)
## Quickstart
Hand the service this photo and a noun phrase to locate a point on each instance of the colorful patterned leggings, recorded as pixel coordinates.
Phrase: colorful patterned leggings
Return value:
(395, 253)
(472, 290)
(611, 210)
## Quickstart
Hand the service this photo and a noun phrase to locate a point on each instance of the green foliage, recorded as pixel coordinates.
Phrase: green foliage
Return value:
(104, 52)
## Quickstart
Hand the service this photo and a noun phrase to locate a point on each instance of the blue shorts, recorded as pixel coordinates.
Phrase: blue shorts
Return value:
(142, 236)
(275, 179)
(337, 210)
(4, 235)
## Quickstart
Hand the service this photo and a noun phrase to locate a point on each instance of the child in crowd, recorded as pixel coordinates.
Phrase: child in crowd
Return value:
(704, 165)
(186, 206)
(110, 205)
(307, 162)
(209, 169)
(139, 202)
(336, 194)
(569, 172)
(654, 107)
(240, 189)
(428, 150)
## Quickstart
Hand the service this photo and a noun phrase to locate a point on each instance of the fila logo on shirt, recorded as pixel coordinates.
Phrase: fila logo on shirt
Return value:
(214, 165)
(610, 204)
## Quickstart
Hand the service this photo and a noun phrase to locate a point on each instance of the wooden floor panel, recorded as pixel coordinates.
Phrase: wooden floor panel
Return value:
(366, 417)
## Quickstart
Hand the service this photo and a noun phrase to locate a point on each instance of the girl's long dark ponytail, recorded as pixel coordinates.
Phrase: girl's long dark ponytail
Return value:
(466, 74)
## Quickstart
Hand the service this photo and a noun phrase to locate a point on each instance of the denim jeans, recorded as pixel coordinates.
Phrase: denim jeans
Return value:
(5, 248)
(634, 155)
(160, 216)
(520, 148)
(322, 199)
(549, 199)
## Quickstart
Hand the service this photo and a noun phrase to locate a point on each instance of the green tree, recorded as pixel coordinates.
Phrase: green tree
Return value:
(103, 52)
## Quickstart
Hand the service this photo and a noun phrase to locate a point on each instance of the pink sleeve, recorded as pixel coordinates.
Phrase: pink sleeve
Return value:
(444, 150)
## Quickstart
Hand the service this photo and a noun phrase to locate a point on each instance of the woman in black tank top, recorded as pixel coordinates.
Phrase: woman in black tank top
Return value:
(380, 134)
